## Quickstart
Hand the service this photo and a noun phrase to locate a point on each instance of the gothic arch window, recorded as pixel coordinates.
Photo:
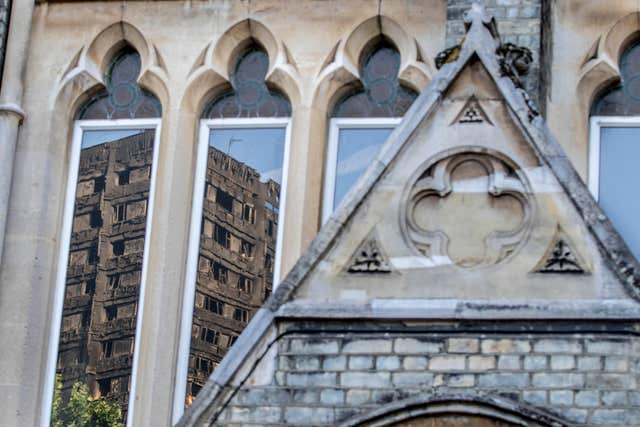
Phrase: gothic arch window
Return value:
(250, 97)
(103, 254)
(236, 221)
(362, 120)
(122, 98)
(614, 148)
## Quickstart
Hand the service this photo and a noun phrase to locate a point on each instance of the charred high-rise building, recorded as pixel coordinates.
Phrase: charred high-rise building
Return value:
(235, 265)
(105, 266)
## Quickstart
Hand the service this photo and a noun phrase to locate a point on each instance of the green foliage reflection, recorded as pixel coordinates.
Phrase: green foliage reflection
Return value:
(81, 410)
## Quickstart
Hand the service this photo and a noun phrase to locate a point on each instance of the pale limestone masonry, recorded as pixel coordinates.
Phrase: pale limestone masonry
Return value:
(587, 379)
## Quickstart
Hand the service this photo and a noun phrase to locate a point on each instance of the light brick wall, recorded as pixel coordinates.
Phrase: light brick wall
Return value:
(321, 380)
(519, 22)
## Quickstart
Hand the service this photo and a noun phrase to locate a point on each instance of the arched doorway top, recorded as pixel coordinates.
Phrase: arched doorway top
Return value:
(415, 411)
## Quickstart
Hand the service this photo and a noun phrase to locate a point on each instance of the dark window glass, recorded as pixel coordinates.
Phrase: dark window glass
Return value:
(118, 247)
(122, 98)
(111, 312)
(250, 96)
(123, 177)
(240, 315)
(381, 94)
(224, 200)
(98, 184)
(96, 219)
(623, 99)
(213, 305)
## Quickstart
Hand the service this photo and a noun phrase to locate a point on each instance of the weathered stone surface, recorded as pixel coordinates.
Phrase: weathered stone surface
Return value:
(463, 345)
(367, 347)
(481, 363)
(414, 346)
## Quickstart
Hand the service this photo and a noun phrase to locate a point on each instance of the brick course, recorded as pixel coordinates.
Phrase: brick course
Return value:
(584, 379)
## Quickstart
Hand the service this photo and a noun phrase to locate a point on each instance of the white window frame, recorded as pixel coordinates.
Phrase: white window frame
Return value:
(80, 126)
(193, 251)
(596, 125)
(335, 126)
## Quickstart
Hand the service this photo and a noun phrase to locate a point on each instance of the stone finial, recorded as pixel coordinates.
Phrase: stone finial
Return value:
(478, 15)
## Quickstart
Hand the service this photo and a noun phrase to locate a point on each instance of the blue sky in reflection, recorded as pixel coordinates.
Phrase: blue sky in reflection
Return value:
(91, 138)
(260, 148)
(619, 180)
(356, 150)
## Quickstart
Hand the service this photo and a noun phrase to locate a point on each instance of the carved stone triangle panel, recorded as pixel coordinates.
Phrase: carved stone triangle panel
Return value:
(472, 112)
(561, 257)
(369, 258)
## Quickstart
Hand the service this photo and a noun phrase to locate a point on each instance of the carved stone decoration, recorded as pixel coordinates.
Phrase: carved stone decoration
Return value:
(447, 55)
(561, 257)
(368, 258)
(514, 61)
(472, 209)
(472, 112)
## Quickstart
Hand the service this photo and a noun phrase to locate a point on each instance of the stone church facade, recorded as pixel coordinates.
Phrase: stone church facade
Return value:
(477, 268)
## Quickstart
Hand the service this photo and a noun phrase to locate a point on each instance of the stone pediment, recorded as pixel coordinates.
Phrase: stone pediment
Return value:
(466, 200)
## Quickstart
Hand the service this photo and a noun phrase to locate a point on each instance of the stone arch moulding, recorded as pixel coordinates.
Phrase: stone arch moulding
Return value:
(600, 68)
(87, 68)
(463, 403)
(341, 68)
(212, 68)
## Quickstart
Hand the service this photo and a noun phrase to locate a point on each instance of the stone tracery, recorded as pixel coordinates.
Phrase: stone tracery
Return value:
(471, 208)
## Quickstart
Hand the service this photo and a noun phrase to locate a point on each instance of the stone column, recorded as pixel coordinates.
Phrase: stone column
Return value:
(11, 113)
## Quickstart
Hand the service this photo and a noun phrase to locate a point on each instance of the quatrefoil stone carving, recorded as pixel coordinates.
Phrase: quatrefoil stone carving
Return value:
(471, 209)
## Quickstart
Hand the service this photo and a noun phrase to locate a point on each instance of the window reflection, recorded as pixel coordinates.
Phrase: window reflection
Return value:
(237, 241)
(357, 148)
(381, 99)
(104, 269)
(619, 149)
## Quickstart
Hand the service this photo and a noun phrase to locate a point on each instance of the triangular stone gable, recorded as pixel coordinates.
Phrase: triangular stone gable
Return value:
(463, 213)
(466, 216)
(521, 144)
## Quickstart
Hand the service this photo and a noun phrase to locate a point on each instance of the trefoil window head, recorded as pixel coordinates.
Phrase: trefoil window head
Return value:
(250, 96)
(624, 98)
(122, 98)
(381, 94)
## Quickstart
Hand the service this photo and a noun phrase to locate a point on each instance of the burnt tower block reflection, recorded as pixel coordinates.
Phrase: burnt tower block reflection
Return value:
(236, 260)
(105, 265)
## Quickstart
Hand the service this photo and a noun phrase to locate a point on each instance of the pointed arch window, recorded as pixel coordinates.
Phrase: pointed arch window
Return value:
(362, 120)
(102, 265)
(236, 227)
(615, 147)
